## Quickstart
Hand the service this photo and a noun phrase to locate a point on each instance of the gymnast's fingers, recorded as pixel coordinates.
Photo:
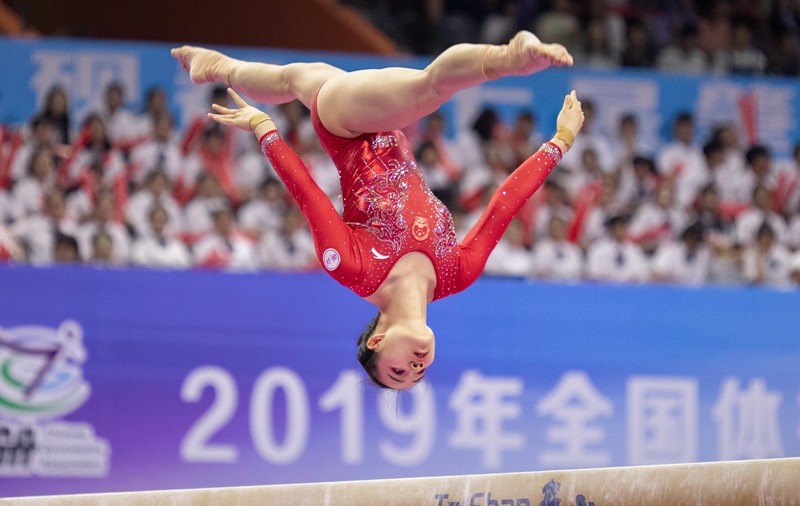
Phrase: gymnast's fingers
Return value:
(222, 110)
(236, 98)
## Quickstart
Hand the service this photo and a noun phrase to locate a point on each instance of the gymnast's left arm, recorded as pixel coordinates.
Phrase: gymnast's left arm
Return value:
(516, 190)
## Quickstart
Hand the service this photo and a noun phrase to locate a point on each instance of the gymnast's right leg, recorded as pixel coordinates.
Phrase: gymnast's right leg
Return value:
(263, 82)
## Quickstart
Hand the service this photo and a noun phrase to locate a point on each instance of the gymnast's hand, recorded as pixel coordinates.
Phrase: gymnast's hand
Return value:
(245, 117)
(569, 122)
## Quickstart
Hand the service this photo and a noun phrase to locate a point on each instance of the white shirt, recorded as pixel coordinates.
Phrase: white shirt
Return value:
(198, 214)
(509, 260)
(673, 263)
(261, 216)
(774, 265)
(237, 253)
(120, 242)
(560, 260)
(609, 260)
(166, 253)
(29, 195)
(37, 233)
(296, 253)
(749, 221)
(139, 205)
(650, 218)
(152, 155)
(688, 162)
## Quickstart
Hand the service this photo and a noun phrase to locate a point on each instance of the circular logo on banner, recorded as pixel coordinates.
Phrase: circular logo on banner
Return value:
(331, 259)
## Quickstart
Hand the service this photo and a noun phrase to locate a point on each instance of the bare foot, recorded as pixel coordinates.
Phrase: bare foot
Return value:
(203, 65)
(525, 54)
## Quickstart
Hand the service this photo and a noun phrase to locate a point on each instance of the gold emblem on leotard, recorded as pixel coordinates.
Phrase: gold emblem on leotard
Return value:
(420, 229)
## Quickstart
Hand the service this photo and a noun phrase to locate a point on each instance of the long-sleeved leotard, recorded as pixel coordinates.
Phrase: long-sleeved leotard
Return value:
(390, 212)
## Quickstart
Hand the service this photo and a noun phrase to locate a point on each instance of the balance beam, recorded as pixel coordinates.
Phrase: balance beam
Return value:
(753, 482)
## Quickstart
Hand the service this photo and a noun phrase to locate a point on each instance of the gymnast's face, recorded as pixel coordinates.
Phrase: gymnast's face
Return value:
(405, 355)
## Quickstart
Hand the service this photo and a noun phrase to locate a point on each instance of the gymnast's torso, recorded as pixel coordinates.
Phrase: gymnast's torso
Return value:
(389, 208)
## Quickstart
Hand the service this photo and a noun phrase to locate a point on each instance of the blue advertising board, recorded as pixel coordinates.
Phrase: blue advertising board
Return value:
(131, 380)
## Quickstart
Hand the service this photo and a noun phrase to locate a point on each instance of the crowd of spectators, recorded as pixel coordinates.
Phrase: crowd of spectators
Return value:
(131, 189)
(752, 37)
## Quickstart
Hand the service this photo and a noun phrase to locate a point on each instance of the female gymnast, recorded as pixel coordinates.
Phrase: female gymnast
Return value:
(395, 244)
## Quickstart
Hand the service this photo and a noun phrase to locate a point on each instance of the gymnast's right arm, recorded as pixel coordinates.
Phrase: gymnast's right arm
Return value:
(328, 229)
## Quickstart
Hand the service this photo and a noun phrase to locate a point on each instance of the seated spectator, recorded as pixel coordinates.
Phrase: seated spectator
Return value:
(685, 56)
(93, 148)
(155, 193)
(265, 212)
(122, 124)
(749, 221)
(157, 249)
(683, 162)
(158, 152)
(224, 247)
(210, 196)
(639, 50)
(658, 222)
(742, 57)
(556, 258)
(104, 219)
(42, 135)
(614, 258)
(766, 262)
(510, 257)
(251, 170)
(638, 183)
(686, 262)
(37, 233)
(290, 247)
(65, 249)
(102, 249)
(595, 49)
(155, 105)
(716, 224)
(40, 180)
(56, 110)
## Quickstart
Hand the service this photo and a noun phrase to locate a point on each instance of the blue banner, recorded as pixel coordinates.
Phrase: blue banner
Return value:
(763, 110)
(131, 380)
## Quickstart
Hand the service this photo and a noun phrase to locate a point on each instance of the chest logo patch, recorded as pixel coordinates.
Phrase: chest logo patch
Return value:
(420, 229)
(331, 259)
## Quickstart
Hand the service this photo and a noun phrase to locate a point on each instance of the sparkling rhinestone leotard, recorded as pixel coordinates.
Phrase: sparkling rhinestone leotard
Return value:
(390, 212)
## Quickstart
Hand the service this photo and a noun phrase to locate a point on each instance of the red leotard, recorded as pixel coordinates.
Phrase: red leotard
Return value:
(389, 210)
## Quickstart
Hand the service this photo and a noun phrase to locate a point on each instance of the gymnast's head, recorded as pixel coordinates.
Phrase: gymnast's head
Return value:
(396, 356)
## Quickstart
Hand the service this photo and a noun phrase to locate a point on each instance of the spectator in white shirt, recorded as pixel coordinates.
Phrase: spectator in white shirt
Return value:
(766, 262)
(748, 222)
(155, 193)
(158, 152)
(265, 212)
(29, 192)
(555, 257)
(685, 56)
(210, 196)
(510, 257)
(616, 259)
(123, 126)
(655, 223)
(687, 261)
(104, 220)
(37, 233)
(157, 249)
(224, 247)
(682, 161)
(42, 135)
(290, 247)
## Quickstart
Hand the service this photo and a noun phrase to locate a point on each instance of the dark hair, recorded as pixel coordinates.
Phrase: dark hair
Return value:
(367, 357)
(755, 152)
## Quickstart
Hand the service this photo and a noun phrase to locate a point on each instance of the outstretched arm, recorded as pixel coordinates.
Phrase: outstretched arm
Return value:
(327, 227)
(516, 190)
